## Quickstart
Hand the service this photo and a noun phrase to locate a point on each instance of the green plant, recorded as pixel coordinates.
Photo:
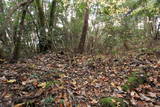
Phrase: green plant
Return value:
(50, 83)
(134, 80)
(112, 102)
(48, 100)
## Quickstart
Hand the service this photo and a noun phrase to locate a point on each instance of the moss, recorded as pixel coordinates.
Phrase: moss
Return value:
(134, 80)
(112, 102)
(50, 83)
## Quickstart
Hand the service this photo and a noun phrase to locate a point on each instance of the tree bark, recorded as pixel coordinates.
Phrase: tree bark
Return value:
(157, 35)
(84, 32)
(17, 38)
(42, 38)
(52, 13)
(3, 37)
(2, 34)
(51, 24)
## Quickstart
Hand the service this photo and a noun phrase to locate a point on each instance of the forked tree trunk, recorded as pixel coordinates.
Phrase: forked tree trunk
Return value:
(84, 32)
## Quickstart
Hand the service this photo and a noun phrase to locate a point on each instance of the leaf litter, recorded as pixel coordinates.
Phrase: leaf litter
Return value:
(80, 81)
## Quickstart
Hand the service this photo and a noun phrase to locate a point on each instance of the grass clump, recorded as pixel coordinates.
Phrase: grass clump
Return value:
(112, 102)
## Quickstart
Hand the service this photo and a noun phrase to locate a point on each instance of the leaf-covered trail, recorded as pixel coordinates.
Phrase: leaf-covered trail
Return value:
(81, 81)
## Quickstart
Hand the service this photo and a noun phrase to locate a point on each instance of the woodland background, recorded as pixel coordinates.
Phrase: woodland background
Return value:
(80, 53)
(77, 26)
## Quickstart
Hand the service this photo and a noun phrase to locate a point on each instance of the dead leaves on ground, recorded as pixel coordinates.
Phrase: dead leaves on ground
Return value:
(79, 81)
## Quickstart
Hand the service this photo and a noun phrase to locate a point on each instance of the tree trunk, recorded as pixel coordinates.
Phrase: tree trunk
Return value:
(42, 38)
(84, 32)
(157, 35)
(52, 13)
(3, 36)
(51, 23)
(17, 38)
(3, 33)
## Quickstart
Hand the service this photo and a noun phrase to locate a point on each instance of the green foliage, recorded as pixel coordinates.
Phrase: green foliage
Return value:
(134, 80)
(48, 100)
(50, 83)
(148, 50)
(80, 9)
(112, 102)
(113, 22)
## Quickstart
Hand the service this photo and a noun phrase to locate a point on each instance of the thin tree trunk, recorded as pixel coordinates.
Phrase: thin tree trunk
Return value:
(42, 38)
(51, 23)
(17, 41)
(1, 6)
(84, 32)
(3, 36)
(52, 13)
(157, 35)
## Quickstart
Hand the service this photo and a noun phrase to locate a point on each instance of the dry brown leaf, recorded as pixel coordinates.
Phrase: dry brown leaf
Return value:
(141, 104)
(19, 105)
(152, 94)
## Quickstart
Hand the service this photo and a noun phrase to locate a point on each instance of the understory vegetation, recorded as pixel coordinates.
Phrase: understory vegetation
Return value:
(79, 53)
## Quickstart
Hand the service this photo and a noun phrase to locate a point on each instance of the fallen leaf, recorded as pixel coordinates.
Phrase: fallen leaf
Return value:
(43, 85)
(94, 101)
(19, 105)
(113, 84)
(3, 79)
(119, 96)
(140, 104)
(152, 94)
(143, 97)
(7, 95)
(113, 100)
(34, 81)
(133, 101)
(11, 81)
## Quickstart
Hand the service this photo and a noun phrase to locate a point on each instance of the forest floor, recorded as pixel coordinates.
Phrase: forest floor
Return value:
(81, 81)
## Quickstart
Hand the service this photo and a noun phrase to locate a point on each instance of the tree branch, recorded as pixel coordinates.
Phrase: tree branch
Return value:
(11, 12)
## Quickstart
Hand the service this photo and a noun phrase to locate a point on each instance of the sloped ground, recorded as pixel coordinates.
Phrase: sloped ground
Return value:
(60, 81)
